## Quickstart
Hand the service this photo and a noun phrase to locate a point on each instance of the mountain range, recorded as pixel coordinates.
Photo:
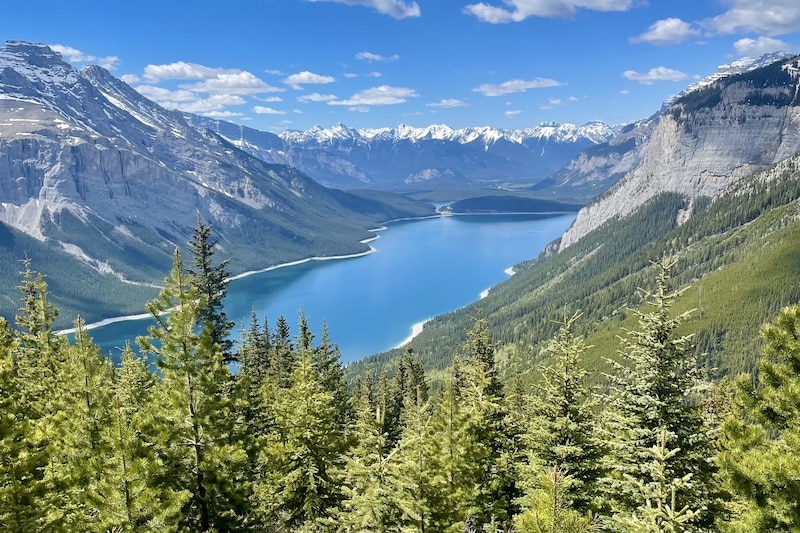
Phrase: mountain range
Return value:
(407, 159)
(98, 184)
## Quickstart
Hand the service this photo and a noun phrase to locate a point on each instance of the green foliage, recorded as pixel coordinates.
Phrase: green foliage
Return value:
(760, 460)
(653, 408)
(562, 435)
(211, 281)
(548, 508)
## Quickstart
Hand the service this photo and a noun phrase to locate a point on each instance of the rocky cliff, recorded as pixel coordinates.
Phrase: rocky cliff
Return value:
(705, 141)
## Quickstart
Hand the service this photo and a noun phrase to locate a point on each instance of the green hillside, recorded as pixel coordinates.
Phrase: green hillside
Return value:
(738, 254)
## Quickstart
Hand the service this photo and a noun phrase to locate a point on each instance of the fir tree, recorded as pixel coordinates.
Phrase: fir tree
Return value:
(370, 502)
(548, 507)
(761, 458)
(563, 432)
(655, 386)
(211, 281)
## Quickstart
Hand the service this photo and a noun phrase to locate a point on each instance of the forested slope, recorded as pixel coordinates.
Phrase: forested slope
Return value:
(740, 253)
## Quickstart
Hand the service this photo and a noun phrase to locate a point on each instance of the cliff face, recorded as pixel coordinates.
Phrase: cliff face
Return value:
(706, 141)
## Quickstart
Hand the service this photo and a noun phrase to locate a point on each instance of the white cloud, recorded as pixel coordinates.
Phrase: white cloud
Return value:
(512, 113)
(383, 95)
(203, 106)
(181, 70)
(240, 82)
(624, 91)
(654, 74)
(374, 74)
(273, 72)
(161, 95)
(515, 86)
(350, 75)
(770, 17)
(223, 114)
(73, 55)
(394, 8)
(666, 32)
(369, 56)
(296, 81)
(317, 97)
(573, 99)
(448, 103)
(130, 78)
(268, 99)
(760, 46)
(519, 10)
(359, 109)
(555, 101)
(263, 110)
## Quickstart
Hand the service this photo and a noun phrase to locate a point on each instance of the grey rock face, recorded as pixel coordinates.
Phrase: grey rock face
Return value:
(706, 141)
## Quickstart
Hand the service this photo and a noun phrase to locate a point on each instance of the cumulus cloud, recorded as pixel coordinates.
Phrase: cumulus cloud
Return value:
(369, 56)
(181, 70)
(161, 95)
(350, 75)
(448, 103)
(130, 78)
(73, 55)
(769, 17)
(374, 74)
(515, 86)
(383, 95)
(666, 32)
(760, 46)
(654, 74)
(204, 106)
(268, 99)
(519, 10)
(316, 97)
(398, 9)
(512, 113)
(240, 82)
(296, 81)
(263, 110)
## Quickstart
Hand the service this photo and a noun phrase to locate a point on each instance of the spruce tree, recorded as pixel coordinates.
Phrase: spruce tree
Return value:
(761, 457)
(211, 281)
(654, 397)
(492, 431)
(563, 430)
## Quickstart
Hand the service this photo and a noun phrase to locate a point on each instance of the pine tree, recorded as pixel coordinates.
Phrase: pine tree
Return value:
(369, 503)
(134, 497)
(492, 431)
(211, 281)
(195, 419)
(413, 469)
(563, 431)
(301, 458)
(80, 452)
(761, 456)
(37, 358)
(654, 389)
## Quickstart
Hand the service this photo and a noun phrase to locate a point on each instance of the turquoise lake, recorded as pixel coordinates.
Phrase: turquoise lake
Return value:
(419, 269)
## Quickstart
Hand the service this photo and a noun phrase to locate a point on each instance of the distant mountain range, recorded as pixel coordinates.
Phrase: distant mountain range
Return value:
(100, 184)
(406, 158)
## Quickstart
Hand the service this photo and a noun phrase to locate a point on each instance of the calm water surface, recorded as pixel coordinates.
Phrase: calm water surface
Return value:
(419, 269)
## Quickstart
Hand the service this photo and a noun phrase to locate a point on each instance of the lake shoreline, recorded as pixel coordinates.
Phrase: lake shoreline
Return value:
(416, 328)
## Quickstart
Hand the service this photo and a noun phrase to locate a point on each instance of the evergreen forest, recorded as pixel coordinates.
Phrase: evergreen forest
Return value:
(192, 432)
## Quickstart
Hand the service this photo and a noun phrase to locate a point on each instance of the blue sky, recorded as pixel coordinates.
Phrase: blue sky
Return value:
(292, 64)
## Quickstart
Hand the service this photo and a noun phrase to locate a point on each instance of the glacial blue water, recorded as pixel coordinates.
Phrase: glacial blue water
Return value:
(419, 269)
